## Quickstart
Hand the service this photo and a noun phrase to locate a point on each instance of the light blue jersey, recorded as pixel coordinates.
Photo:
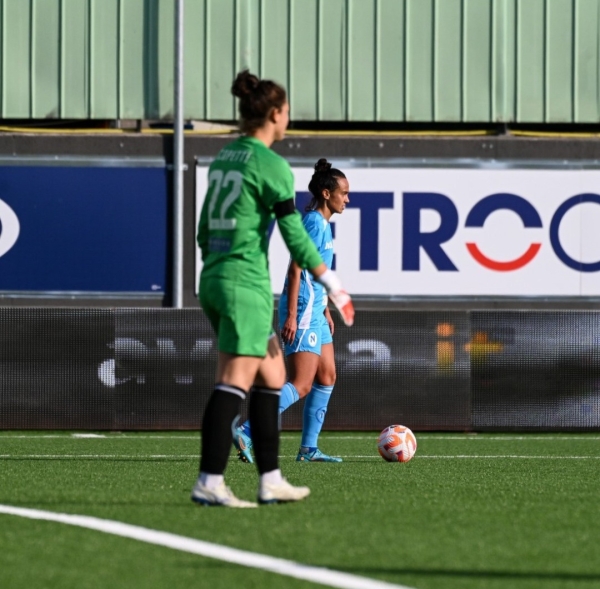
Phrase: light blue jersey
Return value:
(312, 297)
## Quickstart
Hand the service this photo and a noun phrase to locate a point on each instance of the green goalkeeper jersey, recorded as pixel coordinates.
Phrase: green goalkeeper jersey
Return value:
(245, 181)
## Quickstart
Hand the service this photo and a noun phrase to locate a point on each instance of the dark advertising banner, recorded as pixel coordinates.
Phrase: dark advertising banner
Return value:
(154, 369)
(49, 360)
(535, 370)
(97, 227)
(165, 362)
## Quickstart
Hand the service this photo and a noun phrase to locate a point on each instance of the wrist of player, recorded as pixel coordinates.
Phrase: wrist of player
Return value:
(338, 296)
(330, 281)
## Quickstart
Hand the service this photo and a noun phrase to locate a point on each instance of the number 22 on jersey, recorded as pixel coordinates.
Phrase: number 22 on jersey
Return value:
(224, 190)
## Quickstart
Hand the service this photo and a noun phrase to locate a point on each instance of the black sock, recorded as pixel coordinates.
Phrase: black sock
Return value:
(264, 421)
(221, 413)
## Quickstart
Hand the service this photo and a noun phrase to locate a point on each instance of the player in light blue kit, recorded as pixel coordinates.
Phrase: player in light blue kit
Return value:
(306, 324)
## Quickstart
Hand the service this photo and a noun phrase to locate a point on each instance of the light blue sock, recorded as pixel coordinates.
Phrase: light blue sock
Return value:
(315, 408)
(289, 395)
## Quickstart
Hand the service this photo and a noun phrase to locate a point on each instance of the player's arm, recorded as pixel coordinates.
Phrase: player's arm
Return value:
(288, 331)
(304, 252)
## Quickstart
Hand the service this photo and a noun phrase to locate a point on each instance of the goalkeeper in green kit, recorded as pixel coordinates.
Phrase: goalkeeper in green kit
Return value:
(248, 186)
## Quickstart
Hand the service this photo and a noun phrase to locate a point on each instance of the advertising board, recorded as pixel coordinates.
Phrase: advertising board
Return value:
(492, 230)
(93, 226)
(138, 368)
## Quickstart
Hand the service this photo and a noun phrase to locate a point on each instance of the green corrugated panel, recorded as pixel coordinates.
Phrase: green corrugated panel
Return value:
(136, 78)
(356, 60)
(362, 60)
(45, 60)
(194, 58)
(448, 59)
(104, 24)
(390, 60)
(419, 29)
(274, 40)
(74, 90)
(559, 60)
(303, 85)
(2, 35)
(16, 58)
(327, 46)
(503, 58)
(530, 62)
(220, 58)
(585, 65)
(477, 61)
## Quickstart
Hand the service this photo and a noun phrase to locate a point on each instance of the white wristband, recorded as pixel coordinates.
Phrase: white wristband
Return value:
(330, 281)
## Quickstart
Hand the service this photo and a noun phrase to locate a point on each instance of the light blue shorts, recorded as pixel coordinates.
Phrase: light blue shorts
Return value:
(311, 339)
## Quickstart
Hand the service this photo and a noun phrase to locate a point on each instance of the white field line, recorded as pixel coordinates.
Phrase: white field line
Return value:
(288, 568)
(176, 457)
(456, 437)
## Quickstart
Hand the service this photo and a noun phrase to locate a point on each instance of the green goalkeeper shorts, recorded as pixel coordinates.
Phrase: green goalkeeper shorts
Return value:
(242, 316)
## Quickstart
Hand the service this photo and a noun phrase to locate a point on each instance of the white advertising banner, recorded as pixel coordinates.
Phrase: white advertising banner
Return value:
(447, 231)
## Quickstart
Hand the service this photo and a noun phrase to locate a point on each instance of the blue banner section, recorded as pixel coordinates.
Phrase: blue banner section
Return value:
(91, 228)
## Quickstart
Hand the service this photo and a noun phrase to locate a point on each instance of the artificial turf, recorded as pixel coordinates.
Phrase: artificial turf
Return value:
(469, 511)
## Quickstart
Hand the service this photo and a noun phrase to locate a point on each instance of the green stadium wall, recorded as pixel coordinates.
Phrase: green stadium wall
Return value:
(389, 61)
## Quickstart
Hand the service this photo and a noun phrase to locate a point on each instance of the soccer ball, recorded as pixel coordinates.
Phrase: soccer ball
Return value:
(397, 443)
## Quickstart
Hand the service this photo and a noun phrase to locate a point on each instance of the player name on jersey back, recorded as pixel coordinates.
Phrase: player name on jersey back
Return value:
(241, 156)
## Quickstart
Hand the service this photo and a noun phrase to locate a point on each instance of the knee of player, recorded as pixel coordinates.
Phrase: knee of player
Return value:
(303, 388)
(326, 377)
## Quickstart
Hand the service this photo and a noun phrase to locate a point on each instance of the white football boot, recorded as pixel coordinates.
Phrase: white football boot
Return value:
(220, 495)
(281, 492)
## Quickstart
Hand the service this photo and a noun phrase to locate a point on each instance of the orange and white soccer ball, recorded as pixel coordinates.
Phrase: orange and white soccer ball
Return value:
(397, 443)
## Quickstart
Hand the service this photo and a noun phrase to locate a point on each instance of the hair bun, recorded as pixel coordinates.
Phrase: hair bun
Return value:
(322, 166)
(244, 84)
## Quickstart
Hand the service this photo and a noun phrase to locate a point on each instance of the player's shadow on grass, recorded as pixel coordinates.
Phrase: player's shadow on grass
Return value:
(531, 575)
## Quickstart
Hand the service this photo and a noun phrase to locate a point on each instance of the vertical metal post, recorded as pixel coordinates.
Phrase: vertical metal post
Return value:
(178, 162)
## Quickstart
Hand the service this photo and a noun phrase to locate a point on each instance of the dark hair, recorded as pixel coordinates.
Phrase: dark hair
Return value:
(324, 178)
(257, 98)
